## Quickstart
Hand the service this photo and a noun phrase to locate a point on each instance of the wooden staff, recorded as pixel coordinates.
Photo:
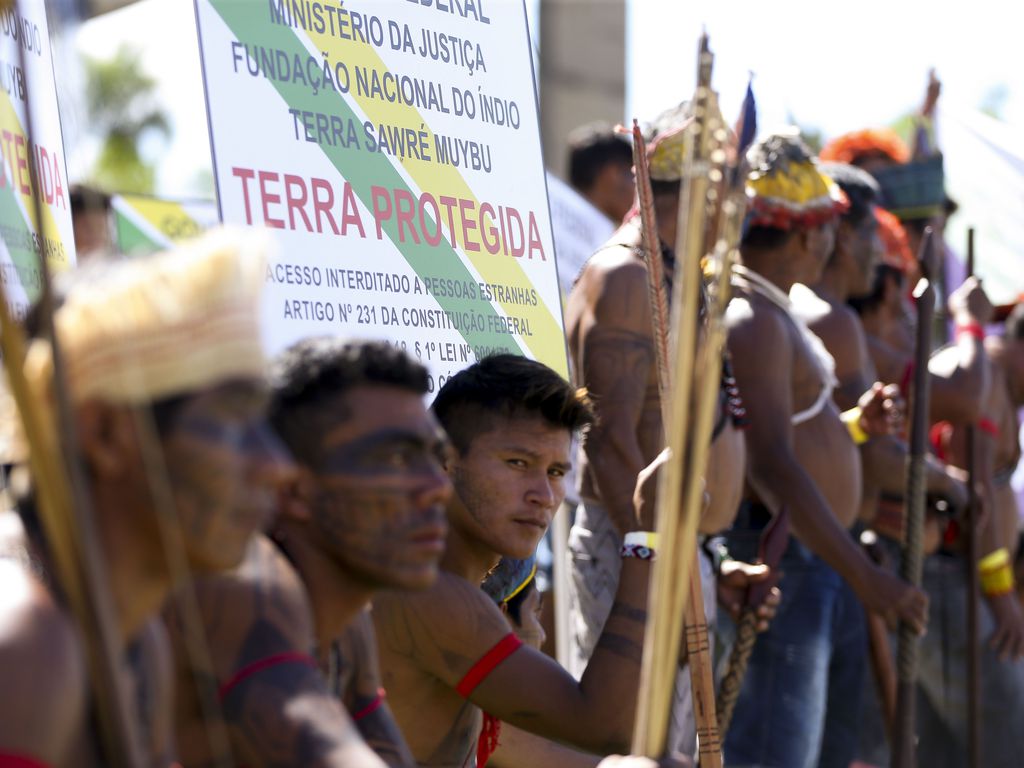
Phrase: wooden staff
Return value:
(64, 508)
(688, 423)
(904, 746)
(698, 645)
(770, 550)
(973, 641)
(882, 663)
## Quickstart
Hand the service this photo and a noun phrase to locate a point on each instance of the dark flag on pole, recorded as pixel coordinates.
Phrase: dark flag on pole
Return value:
(746, 125)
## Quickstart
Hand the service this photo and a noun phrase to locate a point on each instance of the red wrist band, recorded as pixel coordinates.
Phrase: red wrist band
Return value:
(973, 329)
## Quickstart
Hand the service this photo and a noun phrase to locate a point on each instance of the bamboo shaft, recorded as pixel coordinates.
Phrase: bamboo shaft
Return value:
(676, 513)
(65, 510)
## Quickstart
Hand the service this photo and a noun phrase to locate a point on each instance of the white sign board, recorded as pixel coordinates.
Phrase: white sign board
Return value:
(31, 169)
(394, 147)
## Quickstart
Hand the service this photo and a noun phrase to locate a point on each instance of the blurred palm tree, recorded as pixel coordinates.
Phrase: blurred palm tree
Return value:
(122, 108)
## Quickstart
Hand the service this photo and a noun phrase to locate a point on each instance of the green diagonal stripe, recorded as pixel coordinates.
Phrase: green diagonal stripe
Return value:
(361, 169)
(18, 239)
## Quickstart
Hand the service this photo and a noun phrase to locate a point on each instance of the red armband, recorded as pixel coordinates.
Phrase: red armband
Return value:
(289, 657)
(20, 761)
(372, 707)
(479, 672)
(989, 426)
(971, 329)
(938, 436)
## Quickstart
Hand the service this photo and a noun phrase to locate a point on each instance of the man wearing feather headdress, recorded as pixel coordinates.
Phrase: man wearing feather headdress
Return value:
(801, 456)
(164, 369)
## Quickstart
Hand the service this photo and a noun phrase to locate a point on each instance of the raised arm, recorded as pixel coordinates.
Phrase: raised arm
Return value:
(763, 363)
(961, 374)
(616, 357)
(1008, 638)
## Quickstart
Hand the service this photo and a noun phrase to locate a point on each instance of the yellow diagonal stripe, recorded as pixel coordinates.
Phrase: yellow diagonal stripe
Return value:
(548, 342)
(9, 121)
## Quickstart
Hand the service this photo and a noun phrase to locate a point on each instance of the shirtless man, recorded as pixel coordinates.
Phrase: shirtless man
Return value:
(848, 273)
(801, 457)
(447, 653)
(365, 512)
(942, 724)
(610, 332)
(187, 361)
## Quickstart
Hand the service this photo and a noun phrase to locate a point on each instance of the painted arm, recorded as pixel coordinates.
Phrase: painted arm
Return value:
(276, 705)
(449, 629)
(359, 671)
(617, 355)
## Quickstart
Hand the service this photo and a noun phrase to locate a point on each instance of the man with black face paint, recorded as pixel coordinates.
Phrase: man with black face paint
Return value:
(288, 632)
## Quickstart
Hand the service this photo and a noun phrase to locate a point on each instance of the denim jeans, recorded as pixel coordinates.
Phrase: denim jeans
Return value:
(800, 702)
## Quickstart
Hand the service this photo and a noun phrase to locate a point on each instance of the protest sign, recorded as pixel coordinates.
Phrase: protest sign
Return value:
(148, 224)
(394, 147)
(33, 168)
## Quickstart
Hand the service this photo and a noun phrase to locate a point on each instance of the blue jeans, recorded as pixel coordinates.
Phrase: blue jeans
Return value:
(800, 702)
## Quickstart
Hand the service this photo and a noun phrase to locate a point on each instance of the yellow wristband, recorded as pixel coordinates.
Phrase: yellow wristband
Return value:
(996, 573)
(998, 582)
(648, 539)
(995, 560)
(851, 419)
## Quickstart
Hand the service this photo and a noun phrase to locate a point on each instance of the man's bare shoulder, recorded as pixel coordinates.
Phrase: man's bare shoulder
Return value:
(838, 326)
(264, 591)
(42, 666)
(444, 629)
(754, 320)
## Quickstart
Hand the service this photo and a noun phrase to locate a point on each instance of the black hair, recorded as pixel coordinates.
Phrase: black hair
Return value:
(507, 386)
(314, 372)
(859, 186)
(662, 188)
(765, 238)
(85, 198)
(591, 148)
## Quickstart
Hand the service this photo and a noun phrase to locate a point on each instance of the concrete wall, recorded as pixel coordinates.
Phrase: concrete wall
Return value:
(582, 69)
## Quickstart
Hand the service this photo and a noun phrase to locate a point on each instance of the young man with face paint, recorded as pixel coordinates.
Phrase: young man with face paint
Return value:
(162, 360)
(288, 632)
(452, 668)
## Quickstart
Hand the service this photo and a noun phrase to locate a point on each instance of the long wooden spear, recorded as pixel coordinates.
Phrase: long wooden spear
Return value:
(699, 660)
(688, 420)
(904, 740)
(973, 641)
(64, 503)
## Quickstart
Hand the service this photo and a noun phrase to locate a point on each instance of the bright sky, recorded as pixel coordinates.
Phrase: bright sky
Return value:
(832, 66)
(854, 65)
